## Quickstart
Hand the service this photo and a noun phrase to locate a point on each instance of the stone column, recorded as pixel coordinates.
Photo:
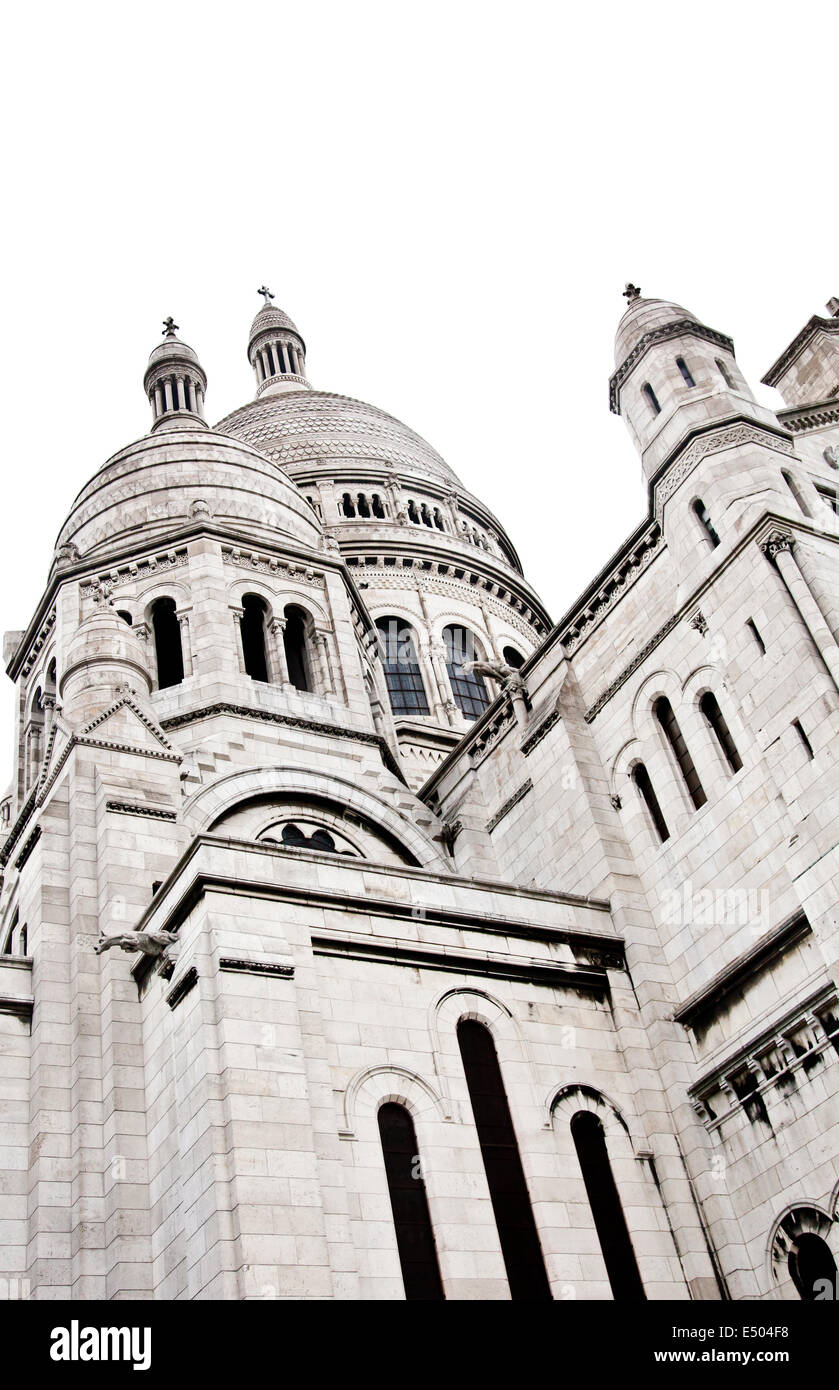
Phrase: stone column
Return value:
(193, 405)
(279, 665)
(186, 642)
(238, 614)
(158, 402)
(322, 641)
(167, 393)
(779, 547)
(284, 350)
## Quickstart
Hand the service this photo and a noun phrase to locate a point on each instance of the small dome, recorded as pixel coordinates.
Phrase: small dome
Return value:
(269, 319)
(103, 652)
(173, 350)
(642, 317)
(172, 477)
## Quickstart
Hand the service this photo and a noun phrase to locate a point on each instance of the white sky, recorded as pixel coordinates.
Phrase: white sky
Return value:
(448, 199)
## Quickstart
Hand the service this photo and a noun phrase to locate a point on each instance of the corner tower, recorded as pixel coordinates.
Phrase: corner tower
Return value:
(712, 455)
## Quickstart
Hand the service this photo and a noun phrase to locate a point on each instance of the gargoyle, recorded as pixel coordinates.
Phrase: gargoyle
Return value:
(151, 943)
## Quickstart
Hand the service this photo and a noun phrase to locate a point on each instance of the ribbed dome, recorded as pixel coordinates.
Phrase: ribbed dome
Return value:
(168, 478)
(308, 425)
(104, 637)
(642, 316)
(268, 318)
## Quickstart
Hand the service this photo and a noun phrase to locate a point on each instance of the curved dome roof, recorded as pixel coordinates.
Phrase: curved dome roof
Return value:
(642, 316)
(304, 426)
(270, 317)
(104, 637)
(168, 478)
(173, 350)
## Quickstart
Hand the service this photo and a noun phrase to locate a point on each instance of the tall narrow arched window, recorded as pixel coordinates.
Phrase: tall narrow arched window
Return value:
(652, 398)
(297, 647)
(517, 1232)
(811, 1260)
(398, 652)
(469, 690)
(705, 522)
(254, 646)
(513, 658)
(347, 505)
(685, 370)
(609, 1220)
(167, 643)
(411, 1218)
(724, 373)
(716, 719)
(670, 727)
(646, 791)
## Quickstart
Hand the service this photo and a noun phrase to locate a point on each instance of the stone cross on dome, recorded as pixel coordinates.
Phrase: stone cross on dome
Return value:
(266, 293)
(169, 327)
(631, 293)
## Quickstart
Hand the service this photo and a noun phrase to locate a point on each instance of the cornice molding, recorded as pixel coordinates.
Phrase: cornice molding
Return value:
(506, 808)
(814, 325)
(180, 721)
(690, 452)
(131, 808)
(713, 994)
(802, 419)
(554, 976)
(679, 329)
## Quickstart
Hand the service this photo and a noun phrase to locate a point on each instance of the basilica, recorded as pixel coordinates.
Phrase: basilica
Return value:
(367, 934)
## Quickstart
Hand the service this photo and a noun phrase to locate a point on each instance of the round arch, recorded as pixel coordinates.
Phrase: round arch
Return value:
(208, 805)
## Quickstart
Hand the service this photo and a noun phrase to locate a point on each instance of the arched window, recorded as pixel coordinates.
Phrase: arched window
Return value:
(684, 369)
(609, 1220)
(513, 658)
(438, 519)
(413, 514)
(505, 1176)
(670, 726)
(469, 690)
(363, 505)
(793, 487)
(652, 398)
(411, 1218)
(715, 717)
(705, 521)
(126, 616)
(646, 791)
(811, 1260)
(167, 643)
(296, 647)
(397, 649)
(347, 505)
(254, 648)
(426, 515)
(724, 373)
(378, 506)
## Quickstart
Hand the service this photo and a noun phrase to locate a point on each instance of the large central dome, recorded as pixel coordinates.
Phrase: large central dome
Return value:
(299, 426)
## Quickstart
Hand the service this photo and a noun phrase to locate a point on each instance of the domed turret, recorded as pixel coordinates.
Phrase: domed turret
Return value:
(175, 383)
(103, 653)
(673, 376)
(276, 351)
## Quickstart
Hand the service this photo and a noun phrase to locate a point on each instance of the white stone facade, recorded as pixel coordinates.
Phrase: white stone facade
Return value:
(621, 862)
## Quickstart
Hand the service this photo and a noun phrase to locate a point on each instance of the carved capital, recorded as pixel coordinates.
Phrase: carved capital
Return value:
(776, 544)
